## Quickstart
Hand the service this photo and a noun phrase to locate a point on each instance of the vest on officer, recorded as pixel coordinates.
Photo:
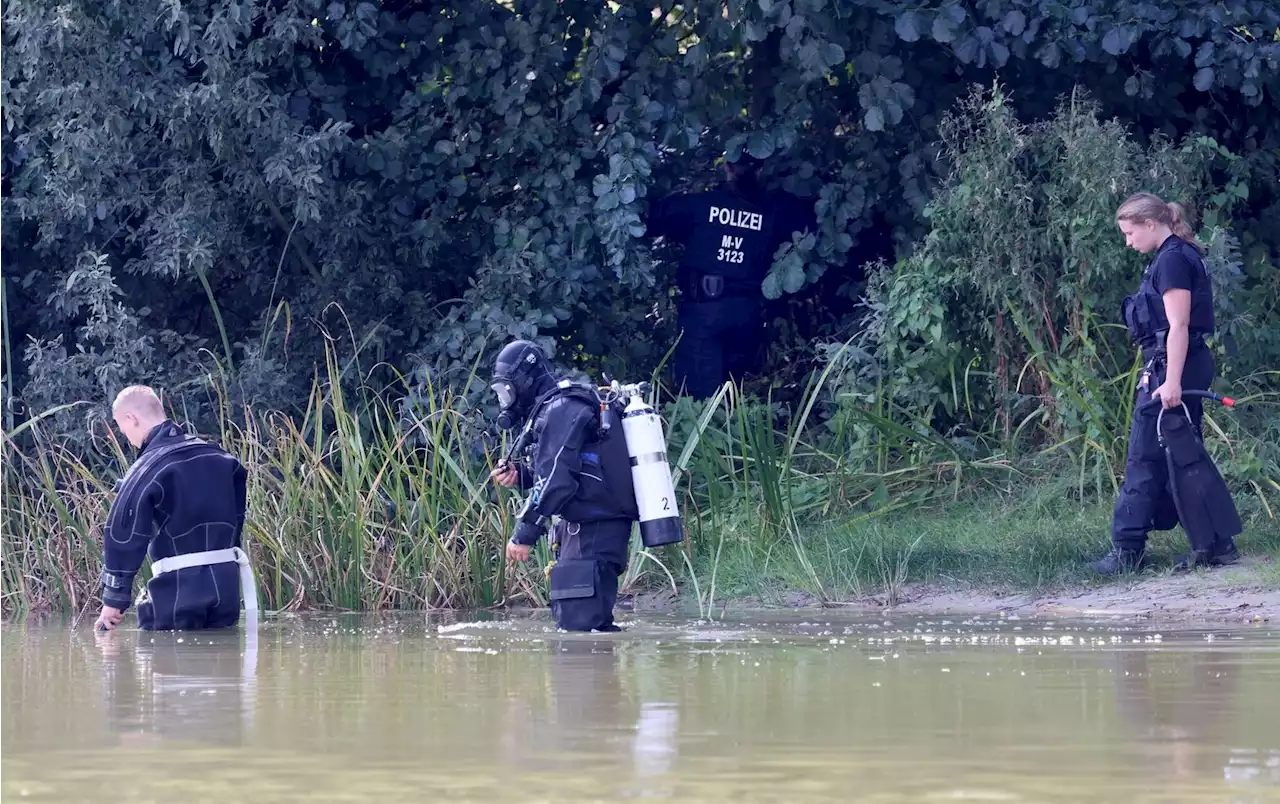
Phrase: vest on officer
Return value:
(729, 238)
(1143, 312)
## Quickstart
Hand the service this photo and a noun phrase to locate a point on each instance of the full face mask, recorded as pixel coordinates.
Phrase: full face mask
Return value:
(519, 369)
(506, 394)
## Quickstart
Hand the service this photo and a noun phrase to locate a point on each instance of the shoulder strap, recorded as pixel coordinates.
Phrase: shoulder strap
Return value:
(565, 388)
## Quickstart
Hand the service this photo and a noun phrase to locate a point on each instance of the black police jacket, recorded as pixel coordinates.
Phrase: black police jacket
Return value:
(728, 235)
(578, 473)
(1177, 264)
(182, 495)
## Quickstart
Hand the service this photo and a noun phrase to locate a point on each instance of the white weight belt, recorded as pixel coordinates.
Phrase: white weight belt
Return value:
(247, 586)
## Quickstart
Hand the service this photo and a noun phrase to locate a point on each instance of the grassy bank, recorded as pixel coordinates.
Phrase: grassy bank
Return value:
(364, 503)
(1037, 538)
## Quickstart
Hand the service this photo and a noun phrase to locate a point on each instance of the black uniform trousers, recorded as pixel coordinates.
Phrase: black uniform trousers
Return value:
(191, 599)
(723, 338)
(1145, 502)
(584, 581)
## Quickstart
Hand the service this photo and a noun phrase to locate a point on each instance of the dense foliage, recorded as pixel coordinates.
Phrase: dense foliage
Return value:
(185, 183)
(193, 193)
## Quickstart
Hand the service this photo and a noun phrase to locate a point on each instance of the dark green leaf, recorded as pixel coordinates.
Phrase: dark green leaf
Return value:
(1114, 41)
(1204, 56)
(760, 144)
(1014, 22)
(874, 119)
(907, 26)
(967, 50)
(943, 29)
(1203, 79)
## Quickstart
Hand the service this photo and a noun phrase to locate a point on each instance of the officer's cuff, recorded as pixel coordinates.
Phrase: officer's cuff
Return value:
(119, 604)
(527, 534)
(117, 589)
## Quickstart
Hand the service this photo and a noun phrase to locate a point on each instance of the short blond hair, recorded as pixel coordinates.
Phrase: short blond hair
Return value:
(140, 400)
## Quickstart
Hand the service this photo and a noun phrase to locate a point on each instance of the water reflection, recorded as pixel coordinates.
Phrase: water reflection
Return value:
(813, 709)
(180, 689)
(591, 714)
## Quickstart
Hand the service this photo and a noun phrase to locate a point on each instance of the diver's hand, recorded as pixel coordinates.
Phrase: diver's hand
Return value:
(108, 619)
(505, 474)
(518, 552)
(1170, 394)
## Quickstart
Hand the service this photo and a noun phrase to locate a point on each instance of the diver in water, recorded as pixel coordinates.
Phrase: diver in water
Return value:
(183, 501)
(580, 471)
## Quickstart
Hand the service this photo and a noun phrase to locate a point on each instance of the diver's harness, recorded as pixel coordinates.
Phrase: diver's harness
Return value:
(600, 402)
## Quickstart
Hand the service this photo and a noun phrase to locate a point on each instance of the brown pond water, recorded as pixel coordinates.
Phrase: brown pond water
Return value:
(793, 708)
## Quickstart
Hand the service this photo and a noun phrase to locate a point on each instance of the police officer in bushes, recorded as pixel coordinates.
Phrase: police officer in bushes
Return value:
(730, 235)
(580, 471)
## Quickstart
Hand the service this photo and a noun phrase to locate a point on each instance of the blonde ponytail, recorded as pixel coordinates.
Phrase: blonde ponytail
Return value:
(1179, 226)
(1142, 207)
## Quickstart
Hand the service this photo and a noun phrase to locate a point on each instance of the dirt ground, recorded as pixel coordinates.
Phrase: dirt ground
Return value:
(1246, 592)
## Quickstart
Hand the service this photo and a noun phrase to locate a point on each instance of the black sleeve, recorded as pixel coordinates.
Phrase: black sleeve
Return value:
(130, 527)
(557, 460)
(672, 217)
(1174, 270)
(794, 214)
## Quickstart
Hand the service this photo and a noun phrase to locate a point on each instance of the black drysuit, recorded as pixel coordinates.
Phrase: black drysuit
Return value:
(586, 481)
(182, 495)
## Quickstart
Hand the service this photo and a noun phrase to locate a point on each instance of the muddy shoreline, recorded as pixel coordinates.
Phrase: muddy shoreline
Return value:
(1243, 593)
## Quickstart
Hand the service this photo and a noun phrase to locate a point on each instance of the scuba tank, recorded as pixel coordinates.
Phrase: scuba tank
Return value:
(650, 473)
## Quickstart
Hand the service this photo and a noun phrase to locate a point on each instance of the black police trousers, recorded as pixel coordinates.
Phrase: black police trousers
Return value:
(1145, 501)
(191, 599)
(584, 580)
(722, 338)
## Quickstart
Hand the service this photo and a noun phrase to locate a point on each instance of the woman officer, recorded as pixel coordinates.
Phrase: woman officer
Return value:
(1169, 318)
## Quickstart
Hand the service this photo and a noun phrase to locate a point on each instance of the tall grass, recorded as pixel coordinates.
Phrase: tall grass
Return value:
(354, 503)
(361, 501)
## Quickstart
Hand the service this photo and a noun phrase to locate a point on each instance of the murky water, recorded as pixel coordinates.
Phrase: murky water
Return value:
(802, 708)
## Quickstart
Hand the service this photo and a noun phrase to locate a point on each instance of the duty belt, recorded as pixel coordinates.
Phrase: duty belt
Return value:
(712, 287)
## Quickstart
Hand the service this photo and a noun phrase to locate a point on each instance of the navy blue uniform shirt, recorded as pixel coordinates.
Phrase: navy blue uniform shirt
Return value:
(728, 234)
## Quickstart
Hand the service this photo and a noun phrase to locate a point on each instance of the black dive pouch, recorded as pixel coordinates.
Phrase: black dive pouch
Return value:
(573, 579)
(1184, 446)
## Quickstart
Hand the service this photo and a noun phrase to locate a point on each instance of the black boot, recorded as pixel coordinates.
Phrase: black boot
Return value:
(1224, 552)
(1196, 558)
(1119, 560)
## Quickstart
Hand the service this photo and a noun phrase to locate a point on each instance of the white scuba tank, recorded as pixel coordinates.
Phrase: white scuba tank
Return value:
(650, 473)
